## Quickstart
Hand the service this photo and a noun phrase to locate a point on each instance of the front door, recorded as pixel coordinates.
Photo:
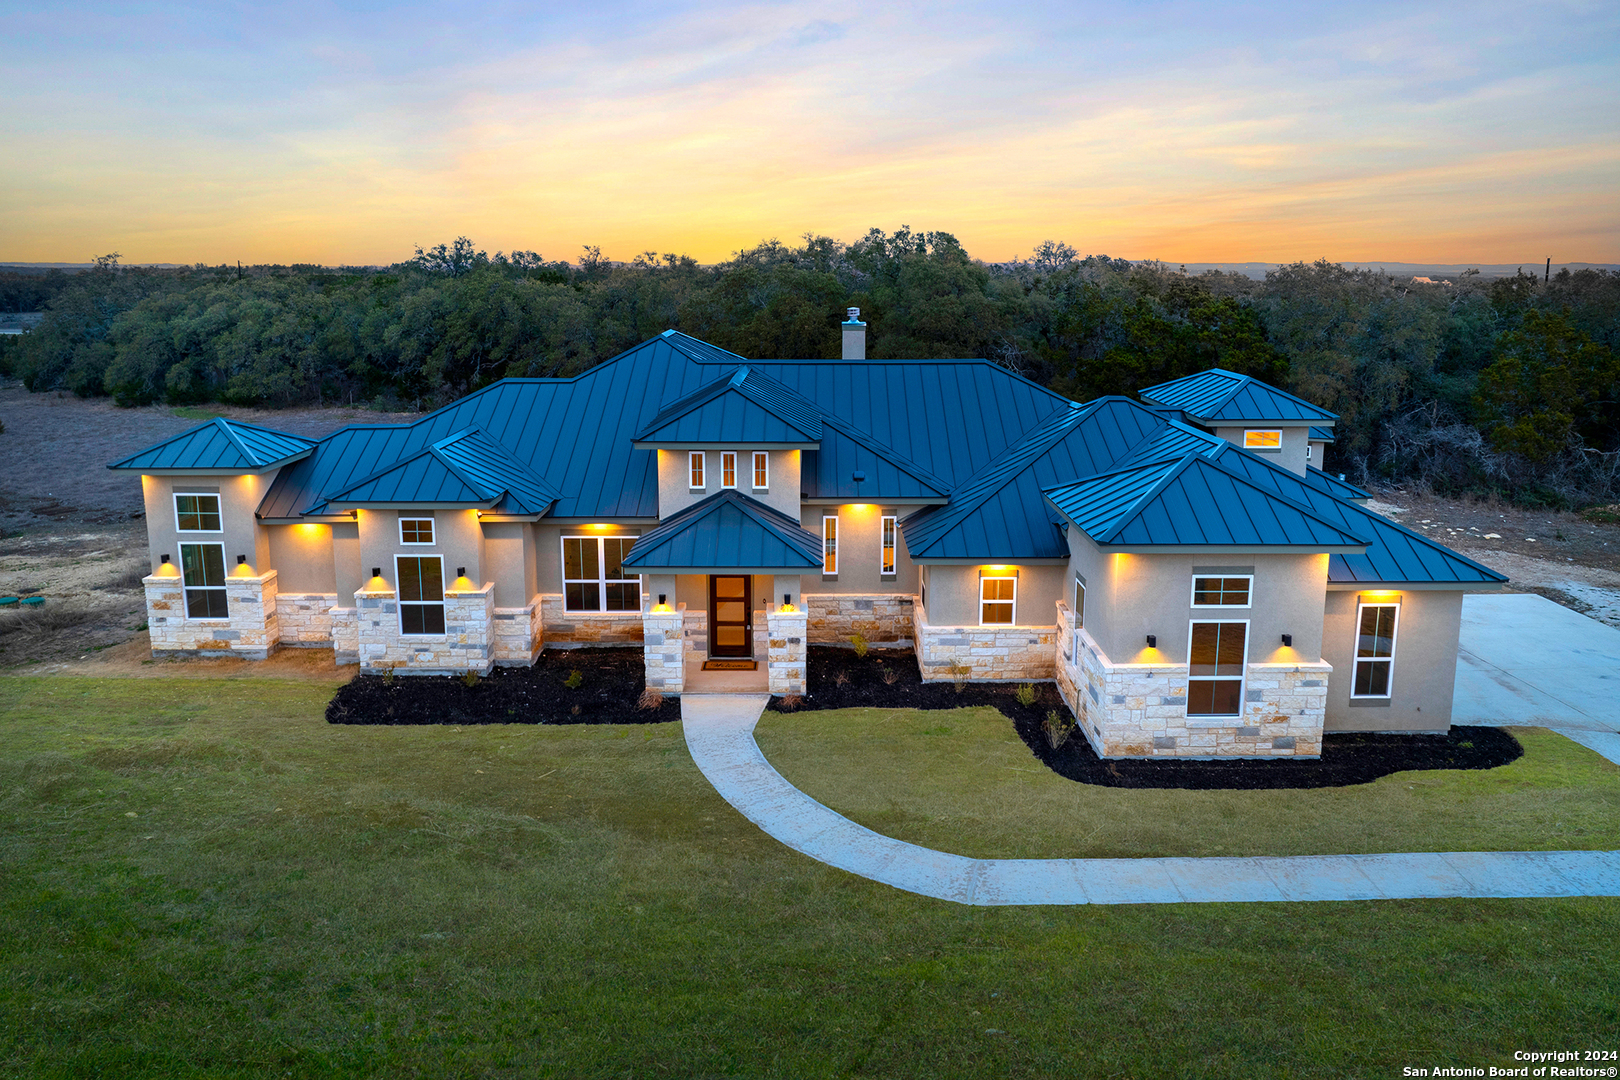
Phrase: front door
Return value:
(731, 616)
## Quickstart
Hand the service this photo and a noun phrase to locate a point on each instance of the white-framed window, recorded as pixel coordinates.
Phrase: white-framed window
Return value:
(196, 512)
(887, 531)
(1263, 439)
(203, 568)
(829, 544)
(1079, 620)
(416, 530)
(728, 469)
(695, 466)
(1217, 657)
(1222, 590)
(1376, 625)
(762, 470)
(1309, 451)
(998, 601)
(594, 577)
(420, 594)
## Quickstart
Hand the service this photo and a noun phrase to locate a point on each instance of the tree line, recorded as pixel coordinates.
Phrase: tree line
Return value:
(1508, 385)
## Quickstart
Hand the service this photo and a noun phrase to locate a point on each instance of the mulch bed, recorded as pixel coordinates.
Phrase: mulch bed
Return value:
(1347, 757)
(611, 684)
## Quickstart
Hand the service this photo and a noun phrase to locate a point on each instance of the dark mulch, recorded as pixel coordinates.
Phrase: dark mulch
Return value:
(612, 682)
(1347, 758)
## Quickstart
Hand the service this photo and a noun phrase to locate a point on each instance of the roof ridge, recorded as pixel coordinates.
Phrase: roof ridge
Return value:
(888, 453)
(222, 424)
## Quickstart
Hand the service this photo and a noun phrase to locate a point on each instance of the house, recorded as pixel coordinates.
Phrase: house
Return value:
(1180, 567)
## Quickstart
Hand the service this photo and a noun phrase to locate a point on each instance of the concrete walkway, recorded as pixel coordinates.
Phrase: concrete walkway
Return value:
(720, 734)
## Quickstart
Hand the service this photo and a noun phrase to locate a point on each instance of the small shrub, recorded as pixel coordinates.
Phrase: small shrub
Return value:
(388, 675)
(1603, 515)
(574, 681)
(651, 698)
(959, 676)
(470, 679)
(841, 678)
(789, 702)
(1058, 728)
(1025, 694)
(860, 644)
(43, 619)
(575, 710)
(891, 676)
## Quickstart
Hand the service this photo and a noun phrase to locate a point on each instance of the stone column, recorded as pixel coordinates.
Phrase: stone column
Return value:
(377, 619)
(789, 631)
(250, 629)
(661, 647)
(469, 617)
(346, 635)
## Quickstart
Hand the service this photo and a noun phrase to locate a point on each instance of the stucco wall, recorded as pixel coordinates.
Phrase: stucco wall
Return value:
(303, 557)
(346, 566)
(953, 593)
(1292, 453)
(240, 532)
(457, 537)
(546, 539)
(1424, 675)
(860, 550)
(509, 554)
(675, 493)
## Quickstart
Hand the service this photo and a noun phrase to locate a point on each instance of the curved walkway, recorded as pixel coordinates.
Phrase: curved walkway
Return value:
(720, 734)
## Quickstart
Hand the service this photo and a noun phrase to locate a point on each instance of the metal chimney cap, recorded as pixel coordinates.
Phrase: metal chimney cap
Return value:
(854, 315)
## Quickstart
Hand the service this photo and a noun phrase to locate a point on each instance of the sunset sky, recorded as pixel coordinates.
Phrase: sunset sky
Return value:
(347, 132)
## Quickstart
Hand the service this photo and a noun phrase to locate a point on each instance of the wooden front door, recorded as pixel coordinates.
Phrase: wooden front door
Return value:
(731, 616)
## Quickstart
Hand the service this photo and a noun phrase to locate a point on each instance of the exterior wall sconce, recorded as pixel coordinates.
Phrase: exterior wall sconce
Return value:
(787, 602)
(1288, 641)
(376, 571)
(1153, 641)
(461, 571)
(663, 604)
(165, 560)
(241, 560)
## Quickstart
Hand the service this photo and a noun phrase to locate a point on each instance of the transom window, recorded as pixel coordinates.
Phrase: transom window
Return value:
(1216, 656)
(762, 470)
(887, 565)
(696, 462)
(1262, 440)
(196, 513)
(1221, 591)
(728, 469)
(204, 568)
(594, 577)
(1375, 650)
(420, 594)
(829, 545)
(416, 530)
(998, 601)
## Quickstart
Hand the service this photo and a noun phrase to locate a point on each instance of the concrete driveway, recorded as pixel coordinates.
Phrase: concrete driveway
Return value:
(1525, 660)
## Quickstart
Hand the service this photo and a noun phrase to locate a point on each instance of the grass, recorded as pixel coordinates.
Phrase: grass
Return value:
(963, 781)
(199, 877)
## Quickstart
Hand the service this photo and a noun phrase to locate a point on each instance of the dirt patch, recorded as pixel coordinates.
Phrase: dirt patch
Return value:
(608, 691)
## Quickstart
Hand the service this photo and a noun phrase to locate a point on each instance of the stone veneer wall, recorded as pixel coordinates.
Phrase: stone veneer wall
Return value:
(993, 653)
(878, 617)
(346, 635)
(519, 634)
(251, 631)
(305, 619)
(464, 646)
(694, 632)
(663, 647)
(1140, 710)
(788, 638)
(566, 629)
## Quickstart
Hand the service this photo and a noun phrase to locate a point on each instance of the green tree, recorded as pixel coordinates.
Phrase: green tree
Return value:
(1548, 385)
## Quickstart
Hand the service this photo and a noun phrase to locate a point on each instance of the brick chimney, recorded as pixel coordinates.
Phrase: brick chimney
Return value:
(854, 336)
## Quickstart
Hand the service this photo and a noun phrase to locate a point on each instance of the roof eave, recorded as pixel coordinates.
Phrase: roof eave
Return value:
(258, 470)
(992, 560)
(1415, 586)
(801, 570)
(1230, 549)
(713, 444)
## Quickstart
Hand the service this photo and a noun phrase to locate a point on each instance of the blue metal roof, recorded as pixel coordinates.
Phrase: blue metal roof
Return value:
(1321, 434)
(1333, 485)
(745, 407)
(1221, 395)
(466, 469)
(1192, 501)
(726, 531)
(220, 445)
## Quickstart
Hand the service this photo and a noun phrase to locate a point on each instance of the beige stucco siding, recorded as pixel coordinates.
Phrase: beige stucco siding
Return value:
(674, 478)
(240, 532)
(1294, 442)
(953, 593)
(457, 537)
(302, 556)
(510, 556)
(1425, 670)
(547, 549)
(350, 574)
(860, 550)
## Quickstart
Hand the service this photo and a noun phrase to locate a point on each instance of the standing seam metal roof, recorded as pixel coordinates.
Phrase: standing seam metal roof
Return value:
(222, 445)
(1218, 394)
(727, 530)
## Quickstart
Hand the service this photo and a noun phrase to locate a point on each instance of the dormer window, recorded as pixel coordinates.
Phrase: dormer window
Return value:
(762, 470)
(728, 469)
(697, 470)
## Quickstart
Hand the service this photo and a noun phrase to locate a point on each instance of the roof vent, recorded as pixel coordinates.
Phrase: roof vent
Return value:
(858, 477)
(854, 336)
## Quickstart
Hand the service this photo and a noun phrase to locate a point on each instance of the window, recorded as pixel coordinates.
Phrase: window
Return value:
(998, 600)
(1221, 591)
(1262, 440)
(887, 566)
(762, 470)
(1215, 664)
(415, 530)
(829, 545)
(594, 577)
(204, 568)
(1308, 451)
(697, 469)
(728, 469)
(1375, 650)
(421, 594)
(1079, 603)
(196, 513)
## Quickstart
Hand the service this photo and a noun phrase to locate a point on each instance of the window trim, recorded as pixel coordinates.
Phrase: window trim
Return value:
(186, 590)
(1394, 645)
(433, 530)
(982, 601)
(399, 604)
(724, 456)
(888, 523)
(697, 469)
(1242, 679)
(1263, 431)
(1192, 596)
(1309, 447)
(1078, 609)
(219, 508)
(827, 550)
(602, 581)
(762, 467)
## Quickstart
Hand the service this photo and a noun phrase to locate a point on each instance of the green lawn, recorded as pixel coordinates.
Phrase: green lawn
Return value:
(962, 781)
(201, 878)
